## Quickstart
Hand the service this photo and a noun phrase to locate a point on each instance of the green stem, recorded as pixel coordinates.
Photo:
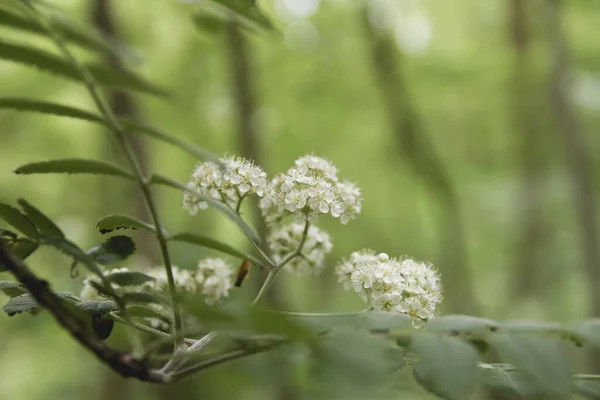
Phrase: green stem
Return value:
(147, 329)
(132, 160)
(271, 276)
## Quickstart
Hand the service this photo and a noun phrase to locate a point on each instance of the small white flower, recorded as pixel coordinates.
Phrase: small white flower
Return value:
(308, 189)
(229, 183)
(213, 278)
(284, 240)
(388, 284)
(184, 279)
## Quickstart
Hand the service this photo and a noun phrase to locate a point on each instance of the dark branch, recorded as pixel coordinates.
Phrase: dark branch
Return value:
(123, 363)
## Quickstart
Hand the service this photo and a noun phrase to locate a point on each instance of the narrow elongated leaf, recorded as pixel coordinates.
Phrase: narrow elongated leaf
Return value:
(114, 222)
(112, 251)
(247, 10)
(162, 180)
(129, 278)
(158, 134)
(145, 312)
(543, 360)
(447, 365)
(464, 324)
(85, 38)
(73, 166)
(205, 241)
(53, 64)
(12, 289)
(145, 298)
(97, 307)
(8, 235)
(40, 220)
(70, 249)
(21, 248)
(18, 220)
(32, 105)
(26, 302)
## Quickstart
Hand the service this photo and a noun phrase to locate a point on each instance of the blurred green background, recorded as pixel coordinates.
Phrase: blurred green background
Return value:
(502, 97)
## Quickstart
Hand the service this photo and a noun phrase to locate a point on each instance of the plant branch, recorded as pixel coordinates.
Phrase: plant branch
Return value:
(120, 136)
(123, 363)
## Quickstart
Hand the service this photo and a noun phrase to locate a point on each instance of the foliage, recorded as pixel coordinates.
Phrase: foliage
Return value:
(447, 354)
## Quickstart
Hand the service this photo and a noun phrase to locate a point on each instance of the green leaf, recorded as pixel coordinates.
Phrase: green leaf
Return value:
(8, 235)
(380, 321)
(19, 304)
(70, 249)
(543, 360)
(205, 241)
(17, 220)
(129, 278)
(267, 322)
(588, 331)
(349, 363)
(247, 10)
(32, 105)
(85, 38)
(73, 166)
(215, 22)
(532, 327)
(58, 66)
(21, 248)
(112, 251)
(114, 222)
(12, 289)
(447, 365)
(463, 324)
(588, 387)
(41, 221)
(162, 180)
(145, 298)
(158, 134)
(504, 380)
(97, 307)
(145, 312)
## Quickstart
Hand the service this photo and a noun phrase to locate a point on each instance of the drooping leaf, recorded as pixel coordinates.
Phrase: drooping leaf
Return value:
(39, 106)
(162, 180)
(206, 241)
(129, 278)
(73, 166)
(102, 326)
(45, 225)
(18, 220)
(113, 250)
(447, 365)
(21, 248)
(53, 64)
(12, 289)
(113, 222)
(543, 360)
(85, 38)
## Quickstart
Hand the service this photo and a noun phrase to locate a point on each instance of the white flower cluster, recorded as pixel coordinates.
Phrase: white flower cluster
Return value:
(229, 183)
(212, 279)
(388, 284)
(283, 241)
(309, 188)
(89, 292)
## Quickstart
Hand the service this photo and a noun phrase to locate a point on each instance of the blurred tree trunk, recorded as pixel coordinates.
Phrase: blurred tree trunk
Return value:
(578, 159)
(244, 95)
(123, 196)
(529, 112)
(415, 147)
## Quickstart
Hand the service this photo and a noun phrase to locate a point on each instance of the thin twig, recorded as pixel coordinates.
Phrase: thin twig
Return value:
(123, 363)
